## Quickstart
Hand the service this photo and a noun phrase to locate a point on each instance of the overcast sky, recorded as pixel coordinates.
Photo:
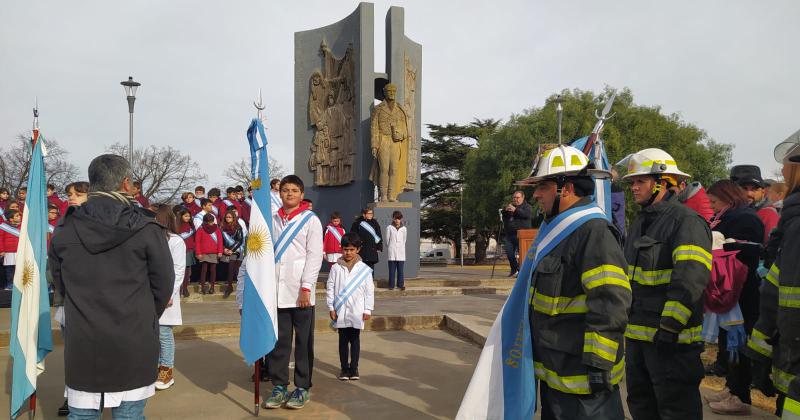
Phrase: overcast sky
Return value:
(730, 67)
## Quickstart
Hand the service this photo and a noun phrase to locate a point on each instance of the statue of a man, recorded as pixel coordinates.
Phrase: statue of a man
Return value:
(389, 129)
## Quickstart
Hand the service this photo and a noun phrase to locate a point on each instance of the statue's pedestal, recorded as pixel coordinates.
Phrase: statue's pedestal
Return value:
(383, 215)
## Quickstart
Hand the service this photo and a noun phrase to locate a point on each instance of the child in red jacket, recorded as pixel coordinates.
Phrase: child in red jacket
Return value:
(187, 232)
(208, 247)
(9, 240)
(332, 242)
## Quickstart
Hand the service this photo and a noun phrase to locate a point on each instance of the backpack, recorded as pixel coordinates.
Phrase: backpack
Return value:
(728, 276)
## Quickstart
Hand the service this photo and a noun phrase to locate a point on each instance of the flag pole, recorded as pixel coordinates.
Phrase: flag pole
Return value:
(34, 138)
(257, 385)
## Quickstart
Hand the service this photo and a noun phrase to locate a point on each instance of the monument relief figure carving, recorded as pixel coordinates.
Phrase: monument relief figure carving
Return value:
(331, 108)
(410, 105)
(390, 146)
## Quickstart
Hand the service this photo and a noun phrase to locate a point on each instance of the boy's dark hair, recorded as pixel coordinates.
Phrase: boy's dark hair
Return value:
(397, 215)
(78, 186)
(239, 188)
(208, 218)
(214, 192)
(308, 200)
(4, 190)
(11, 213)
(200, 188)
(274, 181)
(230, 208)
(351, 239)
(366, 210)
(177, 208)
(23, 189)
(51, 206)
(204, 201)
(186, 194)
(293, 179)
(51, 187)
(230, 190)
(336, 215)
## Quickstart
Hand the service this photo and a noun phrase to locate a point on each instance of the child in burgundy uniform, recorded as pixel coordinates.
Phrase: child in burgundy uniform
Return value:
(186, 231)
(208, 247)
(21, 194)
(53, 198)
(233, 250)
(218, 206)
(9, 240)
(189, 203)
(332, 242)
(4, 194)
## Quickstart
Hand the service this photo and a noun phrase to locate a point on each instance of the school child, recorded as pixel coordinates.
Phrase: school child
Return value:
(53, 198)
(21, 194)
(371, 240)
(396, 235)
(208, 247)
(244, 205)
(188, 202)
(275, 195)
(233, 248)
(350, 299)
(171, 315)
(186, 231)
(230, 200)
(4, 199)
(53, 214)
(9, 239)
(334, 233)
(77, 193)
(219, 206)
(206, 207)
(199, 194)
(296, 268)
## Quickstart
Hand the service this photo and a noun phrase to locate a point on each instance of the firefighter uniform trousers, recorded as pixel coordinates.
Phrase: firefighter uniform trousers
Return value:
(669, 265)
(580, 295)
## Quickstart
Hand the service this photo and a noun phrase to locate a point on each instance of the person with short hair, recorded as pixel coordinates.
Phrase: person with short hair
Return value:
(137, 194)
(296, 271)
(748, 177)
(189, 203)
(777, 192)
(111, 262)
(22, 193)
(371, 238)
(219, 207)
(275, 195)
(350, 298)
(309, 202)
(517, 215)
(206, 207)
(230, 200)
(208, 248)
(53, 198)
(396, 235)
(53, 214)
(334, 233)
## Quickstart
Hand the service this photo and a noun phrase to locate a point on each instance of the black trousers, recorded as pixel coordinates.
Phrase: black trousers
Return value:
(557, 405)
(663, 385)
(739, 377)
(349, 345)
(512, 246)
(297, 322)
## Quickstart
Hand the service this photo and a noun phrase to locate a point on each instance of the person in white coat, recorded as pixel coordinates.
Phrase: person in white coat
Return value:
(171, 315)
(350, 299)
(396, 243)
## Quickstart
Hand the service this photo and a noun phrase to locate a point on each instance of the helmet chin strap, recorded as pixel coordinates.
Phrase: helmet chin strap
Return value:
(656, 190)
(560, 182)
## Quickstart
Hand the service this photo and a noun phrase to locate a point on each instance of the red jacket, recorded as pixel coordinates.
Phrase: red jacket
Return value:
(62, 205)
(143, 201)
(186, 228)
(205, 244)
(193, 208)
(218, 208)
(223, 206)
(8, 242)
(331, 245)
(698, 201)
(769, 216)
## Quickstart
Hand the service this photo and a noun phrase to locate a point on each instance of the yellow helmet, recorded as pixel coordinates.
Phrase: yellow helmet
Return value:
(651, 162)
(554, 160)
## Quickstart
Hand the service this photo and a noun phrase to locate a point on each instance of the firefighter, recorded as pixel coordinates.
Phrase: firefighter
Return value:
(580, 296)
(669, 262)
(775, 336)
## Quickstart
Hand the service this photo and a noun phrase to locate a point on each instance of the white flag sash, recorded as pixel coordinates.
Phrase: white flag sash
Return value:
(364, 224)
(9, 229)
(356, 280)
(335, 233)
(290, 232)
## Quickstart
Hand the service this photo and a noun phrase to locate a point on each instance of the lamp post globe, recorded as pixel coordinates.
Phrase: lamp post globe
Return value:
(130, 91)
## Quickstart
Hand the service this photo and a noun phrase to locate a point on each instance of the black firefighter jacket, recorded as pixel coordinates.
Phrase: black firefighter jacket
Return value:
(111, 262)
(669, 265)
(579, 307)
(776, 334)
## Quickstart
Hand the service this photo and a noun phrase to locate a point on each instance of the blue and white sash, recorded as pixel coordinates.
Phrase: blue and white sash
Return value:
(335, 233)
(227, 202)
(351, 286)
(214, 237)
(197, 201)
(503, 385)
(249, 202)
(9, 229)
(364, 224)
(187, 235)
(51, 228)
(215, 210)
(290, 232)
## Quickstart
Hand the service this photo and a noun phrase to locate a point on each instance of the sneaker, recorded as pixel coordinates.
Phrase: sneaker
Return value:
(354, 374)
(718, 396)
(228, 291)
(279, 396)
(63, 411)
(211, 290)
(298, 399)
(344, 375)
(165, 379)
(731, 406)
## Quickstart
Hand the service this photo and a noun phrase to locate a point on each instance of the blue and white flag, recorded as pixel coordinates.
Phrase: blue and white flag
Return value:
(259, 327)
(602, 186)
(31, 338)
(503, 386)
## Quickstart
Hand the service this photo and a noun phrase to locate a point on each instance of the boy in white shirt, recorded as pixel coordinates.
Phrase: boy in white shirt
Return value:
(297, 233)
(350, 299)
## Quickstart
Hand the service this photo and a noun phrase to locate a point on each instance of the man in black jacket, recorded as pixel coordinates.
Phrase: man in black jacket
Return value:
(516, 215)
(110, 261)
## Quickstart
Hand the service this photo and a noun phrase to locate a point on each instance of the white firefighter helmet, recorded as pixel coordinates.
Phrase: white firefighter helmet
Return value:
(557, 160)
(788, 151)
(651, 162)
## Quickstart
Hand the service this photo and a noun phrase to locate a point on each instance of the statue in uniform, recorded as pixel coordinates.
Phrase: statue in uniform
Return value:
(390, 140)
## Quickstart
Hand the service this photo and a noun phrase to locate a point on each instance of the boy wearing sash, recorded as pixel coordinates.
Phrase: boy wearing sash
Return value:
(579, 293)
(206, 207)
(334, 233)
(9, 241)
(350, 299)
(275, 195)
(297, 233)
(230, 200)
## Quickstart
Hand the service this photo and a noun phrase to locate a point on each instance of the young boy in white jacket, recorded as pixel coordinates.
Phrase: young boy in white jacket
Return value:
(350, 299)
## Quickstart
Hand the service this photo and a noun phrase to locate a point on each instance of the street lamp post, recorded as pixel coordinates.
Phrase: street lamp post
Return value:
(130, 91)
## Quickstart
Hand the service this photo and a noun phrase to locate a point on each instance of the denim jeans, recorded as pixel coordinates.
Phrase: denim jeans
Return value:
(9, 271)
(128, 410)
(398, 266)
(167, 355)
(512, 246)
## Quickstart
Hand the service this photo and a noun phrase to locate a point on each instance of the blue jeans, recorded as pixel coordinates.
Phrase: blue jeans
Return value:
(128, 410)
(9, 270)
(512, 246)
(167, 355)
(398, 266)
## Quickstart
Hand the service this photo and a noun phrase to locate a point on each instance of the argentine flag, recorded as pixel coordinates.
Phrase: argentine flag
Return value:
(259, 328)
(31, 338)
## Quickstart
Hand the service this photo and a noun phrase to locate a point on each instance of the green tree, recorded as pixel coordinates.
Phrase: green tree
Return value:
(506, 155)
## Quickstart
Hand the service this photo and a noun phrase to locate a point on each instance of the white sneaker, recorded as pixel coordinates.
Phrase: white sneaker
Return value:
(731, 406)
(718, 396)
(165, 378)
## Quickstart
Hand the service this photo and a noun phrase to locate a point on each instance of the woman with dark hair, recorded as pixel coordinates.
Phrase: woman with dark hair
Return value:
(172, 315)
(371, 240)
(735, 219)
(233, 247)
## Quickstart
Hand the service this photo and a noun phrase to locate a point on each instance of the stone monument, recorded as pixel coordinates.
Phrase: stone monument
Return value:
(346, 146)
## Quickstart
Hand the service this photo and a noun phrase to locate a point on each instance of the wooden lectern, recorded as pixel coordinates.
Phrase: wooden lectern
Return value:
(525, 238)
